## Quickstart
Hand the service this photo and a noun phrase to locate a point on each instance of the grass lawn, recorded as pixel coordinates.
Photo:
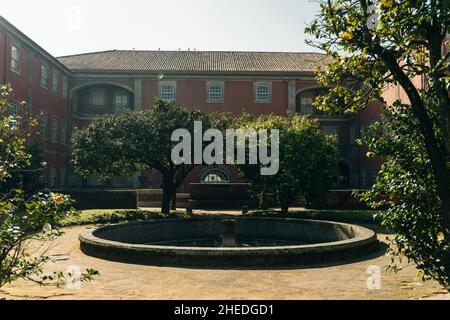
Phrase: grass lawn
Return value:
(346, 216)
(99, 216)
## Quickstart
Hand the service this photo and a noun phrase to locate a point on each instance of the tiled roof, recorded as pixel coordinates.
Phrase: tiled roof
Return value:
(195, 61)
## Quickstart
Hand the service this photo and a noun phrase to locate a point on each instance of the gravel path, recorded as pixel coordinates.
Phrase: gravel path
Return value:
(126, 281)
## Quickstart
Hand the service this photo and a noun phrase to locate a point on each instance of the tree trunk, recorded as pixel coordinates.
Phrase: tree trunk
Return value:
(174, 200)
(167, 195)
(263, 201)
(438, 157)
(285, 204)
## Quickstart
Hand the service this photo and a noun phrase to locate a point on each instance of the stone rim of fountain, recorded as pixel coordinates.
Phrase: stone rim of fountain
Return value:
(219, 257)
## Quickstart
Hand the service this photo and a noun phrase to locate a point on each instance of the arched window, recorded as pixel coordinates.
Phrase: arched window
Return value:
(305, 101)
(103, 98)
(215, 175)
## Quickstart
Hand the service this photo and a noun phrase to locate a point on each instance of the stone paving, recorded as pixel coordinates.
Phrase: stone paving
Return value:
(125, 281)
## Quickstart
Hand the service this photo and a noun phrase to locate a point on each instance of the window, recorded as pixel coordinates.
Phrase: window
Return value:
(215, 175)
(63, 131)
(12, 110)
(167, 91)
(331, 131)
(119, 181)
(353, 135)
(54, 130)
(374, 174)
(43, 126)
(363, 177)
(98, 97)
(74, 180)
(215, 92)
(44, 75)
(95, 181)
(62, 176)
(65, 87)
(306, 98)
(55, 81)
(53, 176)
(43, 178)
(263, 92)
(121, 102)
(16, 58)
(306, 102)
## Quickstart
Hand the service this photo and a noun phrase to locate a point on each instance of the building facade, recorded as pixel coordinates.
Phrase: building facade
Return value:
(67, 93)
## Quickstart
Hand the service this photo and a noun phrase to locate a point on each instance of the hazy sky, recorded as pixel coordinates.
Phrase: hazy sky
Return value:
(65, 27)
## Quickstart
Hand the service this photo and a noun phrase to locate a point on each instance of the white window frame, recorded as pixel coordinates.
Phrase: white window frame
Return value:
(168, 83)
(55, 81)
(256, 93)
(15, 63)
(219, 84)
(44, 85)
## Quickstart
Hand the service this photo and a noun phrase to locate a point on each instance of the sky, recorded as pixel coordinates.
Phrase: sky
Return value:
(65, 27)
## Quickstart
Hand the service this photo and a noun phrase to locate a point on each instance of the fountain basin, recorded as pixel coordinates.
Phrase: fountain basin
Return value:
(197, 242)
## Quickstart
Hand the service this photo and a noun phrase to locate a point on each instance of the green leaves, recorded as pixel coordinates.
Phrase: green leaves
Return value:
(308, 160)
(121, 144)
(405, 49)
(23, 213)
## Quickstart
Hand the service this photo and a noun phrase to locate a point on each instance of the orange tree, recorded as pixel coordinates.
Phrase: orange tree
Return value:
(123, 144)
(373, 44)
(307, 160)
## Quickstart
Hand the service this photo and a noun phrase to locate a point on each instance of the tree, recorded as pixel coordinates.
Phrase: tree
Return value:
(307, 160)
(123, 144)
(23, 215)
(28, 176)
(396, 43)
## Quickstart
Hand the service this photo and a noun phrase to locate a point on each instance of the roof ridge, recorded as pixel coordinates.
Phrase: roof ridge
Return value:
(194, 51)
(196, 61)
(86, 53)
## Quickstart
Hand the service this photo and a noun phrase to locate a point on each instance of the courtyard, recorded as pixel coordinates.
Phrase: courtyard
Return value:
(346, 279)
(246, 151)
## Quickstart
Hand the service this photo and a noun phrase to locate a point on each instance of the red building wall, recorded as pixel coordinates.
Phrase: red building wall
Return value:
(190, 91)
(239, 95)
(27, 88)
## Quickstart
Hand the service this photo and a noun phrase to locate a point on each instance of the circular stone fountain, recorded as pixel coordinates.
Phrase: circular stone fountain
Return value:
(227, 242)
